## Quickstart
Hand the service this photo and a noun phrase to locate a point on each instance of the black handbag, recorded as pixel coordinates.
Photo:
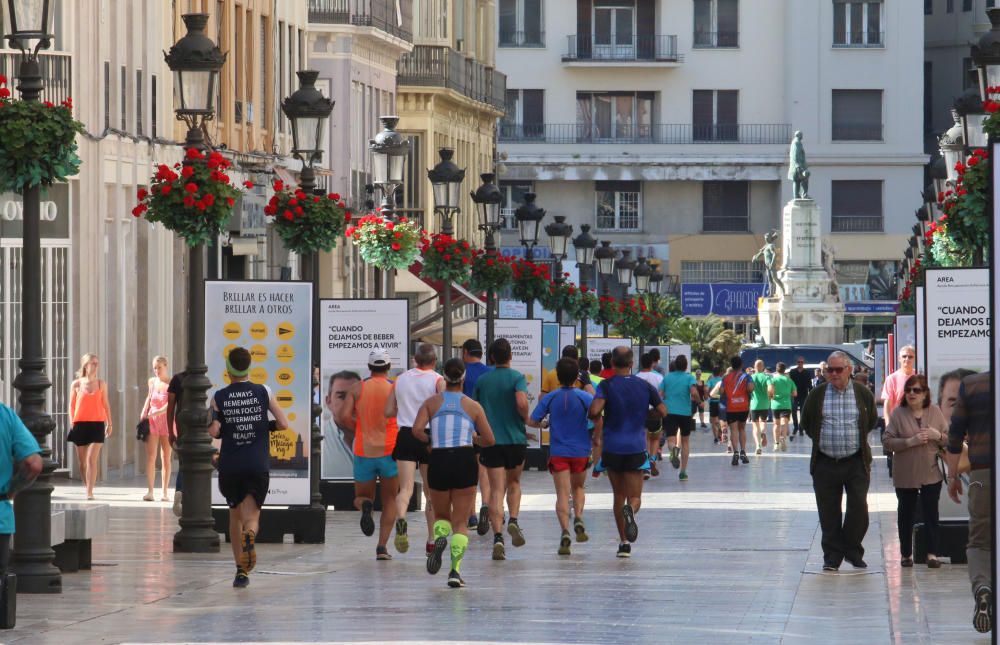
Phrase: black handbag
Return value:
(142, 430)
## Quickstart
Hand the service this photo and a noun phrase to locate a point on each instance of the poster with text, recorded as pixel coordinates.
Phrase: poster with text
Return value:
(957, 321)
(567, 336)
(680, 350)
(919, 325)
(525, 338)
(349, 331)
(906, 331)
(596, 347)
(273, 320)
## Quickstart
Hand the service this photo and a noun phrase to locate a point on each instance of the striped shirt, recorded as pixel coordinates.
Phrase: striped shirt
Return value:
(838, 436)
(451, 426)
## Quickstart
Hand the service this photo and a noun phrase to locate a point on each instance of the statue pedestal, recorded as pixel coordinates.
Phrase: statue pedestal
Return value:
(786, 322)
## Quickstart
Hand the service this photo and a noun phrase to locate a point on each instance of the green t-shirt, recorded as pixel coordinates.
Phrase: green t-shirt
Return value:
(495, 392)
(759, 400)
(783, 387)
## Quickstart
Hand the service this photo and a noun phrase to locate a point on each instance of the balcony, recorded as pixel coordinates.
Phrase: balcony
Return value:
(57, 73)
(591, 49)
(380, 14)
(716, 39)
(860, 40)
(856, 223)
(851, 132)
(671, 134)
(437, 66)
(512, 39)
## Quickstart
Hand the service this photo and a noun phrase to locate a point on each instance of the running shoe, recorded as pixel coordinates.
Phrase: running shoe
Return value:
(715, 441)
(982, 618)
(646, 476)
(784, 445)
(653, 470)
(830, 567)
(367, 522)
(631, 528)
(401, 541)
(744, 458)
(624, 550)
(473, 522)
(455, 581)
(177, 504)
(434, 557)
(382, 553)
(857, 563)
(675, 457)
(248, 557)
(758, 451)
(241, 580)
(763, 439)
(736, 459)
(428, 547)
(580, 530)
(484, 520)
(683, 476)
(498, 550)
(516, 534)
(704, 427)
(791, 437)
(564, 543)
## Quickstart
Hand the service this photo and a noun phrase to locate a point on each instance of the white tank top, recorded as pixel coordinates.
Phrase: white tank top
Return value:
(413, 387)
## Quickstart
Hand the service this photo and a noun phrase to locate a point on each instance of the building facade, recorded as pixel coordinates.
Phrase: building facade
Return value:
(665, 125)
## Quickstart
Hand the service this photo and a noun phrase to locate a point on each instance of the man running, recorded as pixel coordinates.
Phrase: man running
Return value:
(737, 388)
(472, 356)
(680, 393)
(374, 440)
(411, 389)
(802, 378)
(569, 447)
(699, 407)
(621, 443)
(239, 418)
(550, 382)
(503, 393)
(654, 422)
(781, 391)
(760, 405)
(452, 423)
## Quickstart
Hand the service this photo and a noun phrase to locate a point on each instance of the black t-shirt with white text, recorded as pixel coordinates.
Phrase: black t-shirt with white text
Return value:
(244, 427)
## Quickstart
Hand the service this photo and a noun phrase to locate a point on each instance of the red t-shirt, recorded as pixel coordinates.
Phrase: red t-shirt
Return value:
(737, 387)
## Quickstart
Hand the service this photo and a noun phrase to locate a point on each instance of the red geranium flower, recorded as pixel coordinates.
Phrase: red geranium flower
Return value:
(141, 194)
(248, 184)
(279, 185)
(191, 187)
(165, 189)
(396, 246)
(188, 201)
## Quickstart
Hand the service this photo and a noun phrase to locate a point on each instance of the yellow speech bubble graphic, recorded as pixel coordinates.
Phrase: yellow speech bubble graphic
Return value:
(284, 376)
(285, 331)
(228, 348)
(258, 330)
(284, 353)
(232, 330)
(285, 399)
(258, 353)
(258, 375)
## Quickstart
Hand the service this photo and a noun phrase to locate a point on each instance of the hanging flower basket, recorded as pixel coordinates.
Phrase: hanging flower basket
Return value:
(37, 142)
(585, 305)
(446, 258)
(560, 296)
(607, 311)
(384, 244)
(490, 271)
(531, 281)
(194, 201)
(306, 223)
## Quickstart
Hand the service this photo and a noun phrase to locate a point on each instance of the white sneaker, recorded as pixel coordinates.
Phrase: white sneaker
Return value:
(177, 503)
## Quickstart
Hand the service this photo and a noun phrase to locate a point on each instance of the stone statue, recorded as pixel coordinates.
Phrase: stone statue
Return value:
(768, 254)
(798, 170)
(828, 252)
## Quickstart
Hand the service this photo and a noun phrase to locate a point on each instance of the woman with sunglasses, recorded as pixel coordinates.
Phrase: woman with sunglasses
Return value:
(917, 430)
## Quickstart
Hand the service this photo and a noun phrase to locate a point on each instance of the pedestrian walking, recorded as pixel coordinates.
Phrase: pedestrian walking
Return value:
(892, 389)
(160, 430)
(699, 407)
(760, 405)
(802, 378)
(680, 394)
(837, 416)
(374, 441)
(654, 422)
(453, 424)
(90, 415)
(781, 391)
(713, 404)
(620, 444)
(175, 394)
(472, 356)
(569, 447)
(239, 419)
(736, 389)
(916, 433)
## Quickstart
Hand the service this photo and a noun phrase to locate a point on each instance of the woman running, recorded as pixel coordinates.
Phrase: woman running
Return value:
(457, 425)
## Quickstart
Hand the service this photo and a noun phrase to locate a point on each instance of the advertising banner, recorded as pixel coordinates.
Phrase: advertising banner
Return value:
(598, 346)
(550, 347)
(957, 321)
(906, 330)
(721, 299)
(679, 350)
(920, 325)
(273, 320)
(567, 336)
(525, 338)
(349, 331)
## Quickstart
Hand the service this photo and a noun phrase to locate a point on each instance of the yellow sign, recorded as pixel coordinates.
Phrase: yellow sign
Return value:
(225, 377)
(283, 444)
(258, 375)
(284, 376)
(232, 330)
(284, 353)
(285, 399)
(285, 331)
(258, 353)
(230, 347)
(258, 330)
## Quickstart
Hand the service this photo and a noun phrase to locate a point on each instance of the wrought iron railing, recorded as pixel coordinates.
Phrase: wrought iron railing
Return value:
(521, 39)
(391, 16)
(438, 66)
(856, 223)
(712, 39)
(589, 47)
(669, 133)
(57, 73)
(860, 39)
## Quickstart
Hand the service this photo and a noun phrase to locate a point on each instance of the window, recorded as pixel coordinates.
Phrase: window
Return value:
(280, 72)
(107, 95)
(709, 271)
(950, 6)
(240, 69)
(929, 7)
(714, 115)
(966, 5)
(725, 207)
(716, 23)
(152, 105)
(138, 103)
(614, 115)
(124, 98)
(857, 24)
(928, 96)
(521, 24)
(857, 115)
(513, 197)
(970, 77)
(525, 115)
(619, 206)
(857, 206)
(265, 89)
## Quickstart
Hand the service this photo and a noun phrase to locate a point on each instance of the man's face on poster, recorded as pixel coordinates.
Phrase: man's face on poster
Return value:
(337, 393)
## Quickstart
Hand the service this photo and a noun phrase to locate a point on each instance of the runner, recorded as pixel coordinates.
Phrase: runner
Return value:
(782, 392)
(457, 424)
(411, 389)
(374, 440)
(595, 373)
(503, 393)
(621, 443)
(736, 388)
(760, 405)
(569, 447)
(239, 418)
(654, 422)
(472, 355)
(802, 378)
(680, 393)
(699, 407)
(713, 404)
(550, 382)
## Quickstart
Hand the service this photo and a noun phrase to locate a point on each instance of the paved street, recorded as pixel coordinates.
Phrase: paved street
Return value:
(730, 556)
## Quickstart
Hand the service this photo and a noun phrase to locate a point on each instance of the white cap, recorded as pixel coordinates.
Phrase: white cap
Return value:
(378, 358)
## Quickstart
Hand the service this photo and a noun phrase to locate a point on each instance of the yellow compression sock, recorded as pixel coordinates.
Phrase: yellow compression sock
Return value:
(458, 544)
(442, 528)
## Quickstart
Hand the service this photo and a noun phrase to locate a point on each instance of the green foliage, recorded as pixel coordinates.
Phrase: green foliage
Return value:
(307, 223)
(531, 281)
(445, 258)
(711, 343)
(387, 245)
(37, 142)
(490, 271)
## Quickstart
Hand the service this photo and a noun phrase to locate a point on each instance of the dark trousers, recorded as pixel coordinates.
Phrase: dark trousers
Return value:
(842, 533)
(796, 408)
(906, 510)
(4, 553)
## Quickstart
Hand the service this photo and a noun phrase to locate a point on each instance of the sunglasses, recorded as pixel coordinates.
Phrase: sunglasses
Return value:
(915, 390)
(835, 370)
(908, 356)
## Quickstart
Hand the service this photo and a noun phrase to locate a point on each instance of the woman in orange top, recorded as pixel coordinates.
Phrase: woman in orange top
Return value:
(90, 415)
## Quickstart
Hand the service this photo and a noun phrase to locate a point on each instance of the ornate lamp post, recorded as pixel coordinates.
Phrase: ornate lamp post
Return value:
(31, 29)
(585, 244)
(529, 216)
(446, 182)
(195, 61)
(307, 110)
(986, 55)
(624, 269)
(952, 146)
(389, 150)
(971, 115)
(488, 199)
(642, 275)
(559, 232)
(605, 257)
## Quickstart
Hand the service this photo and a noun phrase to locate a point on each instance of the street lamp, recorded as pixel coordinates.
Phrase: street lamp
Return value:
(307, 110)
(446, 181)
(585, 244)
(389, 150)
(971, 115)
(487, 199)
(605, 257)
(559, 232)
(642, 275)
(939, 178)
(195, 62)
(624, 269)
(952, 145)
(33, 555)
(986, 55)
(529, 216)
